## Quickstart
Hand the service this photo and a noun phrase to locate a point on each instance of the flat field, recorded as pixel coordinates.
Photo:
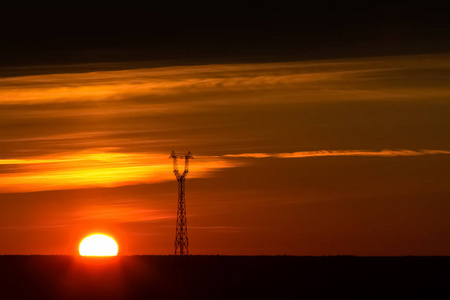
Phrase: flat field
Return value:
(224, 277)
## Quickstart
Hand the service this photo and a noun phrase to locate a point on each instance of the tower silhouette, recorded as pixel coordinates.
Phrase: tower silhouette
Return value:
(181, 237)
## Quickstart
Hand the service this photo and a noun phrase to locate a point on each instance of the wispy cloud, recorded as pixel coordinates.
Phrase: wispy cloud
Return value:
(352, 78)
(118, 212)
(108, 169)
(147, 107)
(95, 169)
(111, 212)
(109, 128)
(322, 153)
(221, 229)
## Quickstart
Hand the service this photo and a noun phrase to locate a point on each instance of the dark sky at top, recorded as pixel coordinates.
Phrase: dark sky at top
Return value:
(216, 32)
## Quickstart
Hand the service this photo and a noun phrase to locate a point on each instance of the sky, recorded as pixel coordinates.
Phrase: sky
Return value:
(336, 151)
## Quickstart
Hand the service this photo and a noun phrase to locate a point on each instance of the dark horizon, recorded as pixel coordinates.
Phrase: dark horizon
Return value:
(219, 277)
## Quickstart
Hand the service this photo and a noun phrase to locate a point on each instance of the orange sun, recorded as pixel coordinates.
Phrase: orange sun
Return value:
(98, 245)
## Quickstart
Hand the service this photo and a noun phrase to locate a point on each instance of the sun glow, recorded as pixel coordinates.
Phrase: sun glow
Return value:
(98, 245)
(95, 168)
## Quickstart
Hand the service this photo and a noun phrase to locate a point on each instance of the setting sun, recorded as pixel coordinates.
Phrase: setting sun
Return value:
(98, 245)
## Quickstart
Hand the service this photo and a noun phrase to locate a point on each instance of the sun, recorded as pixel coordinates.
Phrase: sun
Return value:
(98, 245)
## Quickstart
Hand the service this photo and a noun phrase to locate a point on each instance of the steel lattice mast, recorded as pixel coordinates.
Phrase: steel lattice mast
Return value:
(181, 237)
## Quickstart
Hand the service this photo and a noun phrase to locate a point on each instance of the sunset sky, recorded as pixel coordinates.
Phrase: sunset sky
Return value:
(341, 152)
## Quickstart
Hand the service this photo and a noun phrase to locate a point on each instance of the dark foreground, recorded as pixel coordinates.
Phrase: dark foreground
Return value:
(224, 277)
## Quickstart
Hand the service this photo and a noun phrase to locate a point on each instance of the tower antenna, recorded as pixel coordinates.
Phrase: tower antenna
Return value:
(181, 237)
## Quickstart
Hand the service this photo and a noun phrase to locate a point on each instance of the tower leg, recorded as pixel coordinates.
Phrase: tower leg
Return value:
(181, 237)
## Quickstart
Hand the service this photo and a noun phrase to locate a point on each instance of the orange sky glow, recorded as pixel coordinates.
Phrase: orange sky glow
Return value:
(346, 156)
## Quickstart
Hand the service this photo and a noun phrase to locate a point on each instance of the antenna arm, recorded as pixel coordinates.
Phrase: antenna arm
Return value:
(175, 165)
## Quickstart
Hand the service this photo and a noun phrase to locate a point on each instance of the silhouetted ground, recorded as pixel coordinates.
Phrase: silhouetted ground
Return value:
(224, 277)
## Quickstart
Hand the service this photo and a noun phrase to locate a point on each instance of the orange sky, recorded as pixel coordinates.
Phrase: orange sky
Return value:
(331, 157)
